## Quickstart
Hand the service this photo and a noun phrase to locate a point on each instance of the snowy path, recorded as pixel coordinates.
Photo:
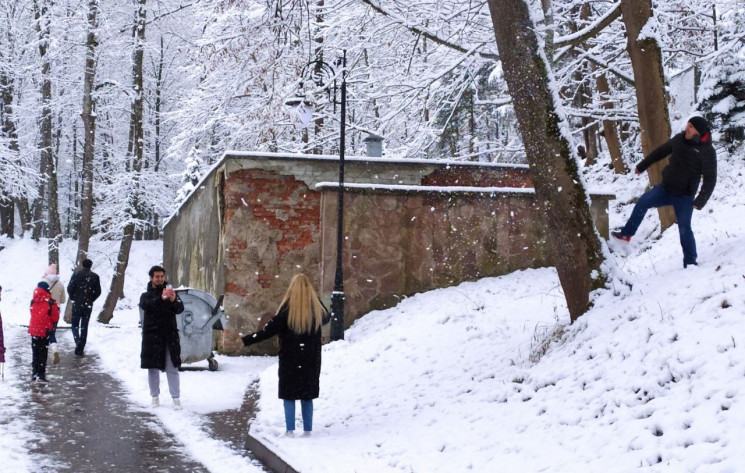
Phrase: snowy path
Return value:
(86, 423)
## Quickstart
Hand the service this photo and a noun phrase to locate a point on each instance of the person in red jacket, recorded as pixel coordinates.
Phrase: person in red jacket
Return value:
(44, 315)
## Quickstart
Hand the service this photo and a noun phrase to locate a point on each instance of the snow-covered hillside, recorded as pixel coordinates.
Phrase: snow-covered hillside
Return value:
(461, 379)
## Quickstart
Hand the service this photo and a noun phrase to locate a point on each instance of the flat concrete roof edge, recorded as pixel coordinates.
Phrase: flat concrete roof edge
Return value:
(367, 159)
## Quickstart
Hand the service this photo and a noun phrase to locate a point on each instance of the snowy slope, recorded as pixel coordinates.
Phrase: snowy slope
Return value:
(459, 379)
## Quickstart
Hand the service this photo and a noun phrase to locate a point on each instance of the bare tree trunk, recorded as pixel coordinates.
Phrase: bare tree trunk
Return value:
(7, 215)
(88, 116)
(89, 126)
(651, 98)
(589, 131)
(116, 290)
(47, 165)
(24, 211)
(154, 230)
(571, 234)
(610, 130)
(54, 227)
(318, 39)
(45, 127)
(8, 131)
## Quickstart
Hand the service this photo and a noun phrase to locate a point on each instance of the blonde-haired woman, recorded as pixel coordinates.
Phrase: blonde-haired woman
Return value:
(298, 323)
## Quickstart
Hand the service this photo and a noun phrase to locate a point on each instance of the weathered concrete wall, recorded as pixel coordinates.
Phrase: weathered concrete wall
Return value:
(192, 247)
(259, 219)
(398, 243)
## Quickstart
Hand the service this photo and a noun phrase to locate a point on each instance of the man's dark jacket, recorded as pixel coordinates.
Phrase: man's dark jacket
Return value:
(159, 329)
(690, 160)
(84, 288)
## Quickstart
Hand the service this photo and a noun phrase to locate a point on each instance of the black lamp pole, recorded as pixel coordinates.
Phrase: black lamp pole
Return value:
(320, 68)
(337, 297)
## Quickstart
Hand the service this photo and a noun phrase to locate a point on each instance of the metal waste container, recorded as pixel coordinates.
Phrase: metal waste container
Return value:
(202, 314)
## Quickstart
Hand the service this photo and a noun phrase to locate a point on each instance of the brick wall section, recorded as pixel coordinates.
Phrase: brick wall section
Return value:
(272, 233)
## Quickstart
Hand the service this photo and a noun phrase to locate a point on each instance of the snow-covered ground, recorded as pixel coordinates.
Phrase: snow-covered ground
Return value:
(462, 379)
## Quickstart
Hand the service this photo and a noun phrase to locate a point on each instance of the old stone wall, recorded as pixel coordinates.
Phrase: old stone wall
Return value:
(398, 243)
(409, 226)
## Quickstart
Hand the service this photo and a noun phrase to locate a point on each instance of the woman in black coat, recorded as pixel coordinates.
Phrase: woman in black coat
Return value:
(298, 323)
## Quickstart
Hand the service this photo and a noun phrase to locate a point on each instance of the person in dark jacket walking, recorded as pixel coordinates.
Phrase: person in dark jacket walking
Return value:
(84, 289)
(161, 349)
(44, 316)
(692, 157)
(2, 338)
(298, 323)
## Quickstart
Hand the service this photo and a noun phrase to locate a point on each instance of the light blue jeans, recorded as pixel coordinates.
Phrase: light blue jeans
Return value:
(306, 408)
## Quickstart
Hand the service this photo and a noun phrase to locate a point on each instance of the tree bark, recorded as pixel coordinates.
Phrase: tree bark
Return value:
(89, 128)
(137, 144)
(45, 123)
(47, 164)
(589, 128)
(610, 130)
(153, 232)
(7, 215)
(651, 98)
(116, 289)
(575, 243)
(8, 131)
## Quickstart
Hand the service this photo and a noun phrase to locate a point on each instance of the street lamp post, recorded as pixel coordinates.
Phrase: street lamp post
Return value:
(315, 71)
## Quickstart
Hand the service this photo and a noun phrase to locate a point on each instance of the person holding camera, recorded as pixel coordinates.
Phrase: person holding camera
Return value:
(161, 348)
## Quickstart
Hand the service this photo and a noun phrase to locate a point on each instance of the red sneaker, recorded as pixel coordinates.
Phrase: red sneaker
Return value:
(620, 236)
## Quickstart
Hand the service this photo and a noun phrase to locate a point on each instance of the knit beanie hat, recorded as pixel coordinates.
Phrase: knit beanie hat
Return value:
(700, 124)
(87, 263)
(43, 285)
(52, 269)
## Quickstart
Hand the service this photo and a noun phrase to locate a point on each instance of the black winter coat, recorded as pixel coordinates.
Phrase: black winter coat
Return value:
(159, 329)
(689, 161)
(299, 356)
(84, 287)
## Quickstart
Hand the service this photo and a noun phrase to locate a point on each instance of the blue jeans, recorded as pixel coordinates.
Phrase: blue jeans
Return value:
(657, 196)
(306, 407)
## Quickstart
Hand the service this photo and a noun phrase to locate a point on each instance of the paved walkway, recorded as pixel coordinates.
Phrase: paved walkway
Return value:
(87, 424)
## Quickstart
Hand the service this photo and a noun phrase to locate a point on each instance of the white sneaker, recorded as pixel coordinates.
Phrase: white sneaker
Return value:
(307, 433)
(177, 404)
(290, 433)
(155, 402)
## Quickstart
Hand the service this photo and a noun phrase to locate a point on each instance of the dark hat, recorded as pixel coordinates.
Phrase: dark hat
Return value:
(700, 124)
(43, 285)
(87, 263)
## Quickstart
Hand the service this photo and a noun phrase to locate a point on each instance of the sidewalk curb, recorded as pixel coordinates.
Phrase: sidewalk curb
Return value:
(265, 455)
